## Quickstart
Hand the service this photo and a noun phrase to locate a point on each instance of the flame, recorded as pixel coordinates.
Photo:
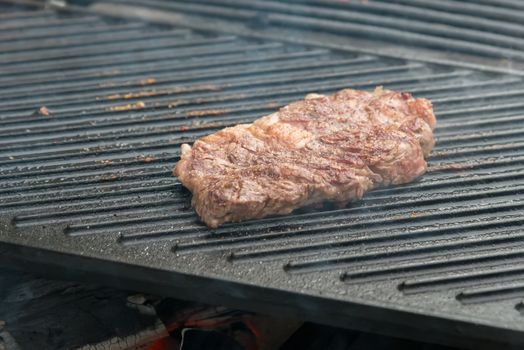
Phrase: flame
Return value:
(166, 343)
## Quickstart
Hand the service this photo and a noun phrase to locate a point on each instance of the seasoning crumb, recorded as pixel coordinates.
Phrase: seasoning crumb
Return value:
(174, 104)
(451, 167)
(147, 81)
(413, 214)
(146, 159)
(205, 112)
(130, 95)
(107, 84)
(137, 105)
(43, 111)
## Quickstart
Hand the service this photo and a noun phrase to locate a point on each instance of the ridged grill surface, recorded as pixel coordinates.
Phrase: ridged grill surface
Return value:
(92, 177)
(488, 28)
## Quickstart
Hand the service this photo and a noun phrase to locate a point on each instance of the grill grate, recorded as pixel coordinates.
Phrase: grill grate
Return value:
(87, 190)
(489, 31)
(491, 28)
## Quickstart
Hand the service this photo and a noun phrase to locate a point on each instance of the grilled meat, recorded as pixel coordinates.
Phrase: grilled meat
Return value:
(323, 148)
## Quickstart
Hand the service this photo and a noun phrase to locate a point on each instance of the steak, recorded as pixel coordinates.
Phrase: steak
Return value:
(323, 148)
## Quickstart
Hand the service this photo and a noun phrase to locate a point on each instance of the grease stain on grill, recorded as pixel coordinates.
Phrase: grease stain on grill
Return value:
(109, 178)
(520, 308)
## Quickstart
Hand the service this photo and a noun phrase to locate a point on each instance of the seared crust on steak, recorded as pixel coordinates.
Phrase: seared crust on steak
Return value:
(323, 148)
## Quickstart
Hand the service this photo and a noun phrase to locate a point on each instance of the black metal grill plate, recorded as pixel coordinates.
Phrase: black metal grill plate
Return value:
(87, 191)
